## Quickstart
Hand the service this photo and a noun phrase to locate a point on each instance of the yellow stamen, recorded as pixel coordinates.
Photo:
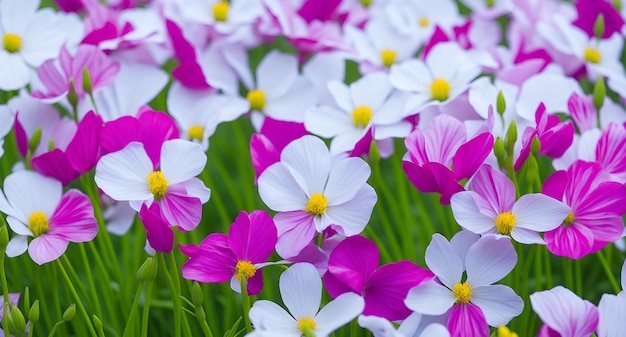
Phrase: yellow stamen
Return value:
(503, 331)
(362, 116)
(220, 11)
(157, 184)
(12, 42)
(388, 56)
(463, 292)
(38, 223)
(423, 21)
(306, 325)
(569, 219)
(246, 268)
(317, 205)
(592, 55)
(256, 99)
(195, 132)
(505, 222)
(440, 89)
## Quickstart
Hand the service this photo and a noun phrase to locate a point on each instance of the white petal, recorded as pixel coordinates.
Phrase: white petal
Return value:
(18, 227)
(435, 330)
(562, 310)
(539, 212)
(551, 89)
(42, 38)
(412, 76)
(268, 316)
(17, 246)
(489, 260)
(430, 298)
(15, 73)
(308, 160)
(467, 213)
(624, 275)
(280, 191)
(338, 312)
(462, 241)
(350, 218)
(371, 90)
(526, 236)
(29, 192)
(301, 290)
(123, 175)
(379, 326)
(292, 105)
(612, 310)
(345, 179)
(181, 160)
(14, 15)
(276, 73)
(327, 121)
(341, 93)
(443, 261)
(498, 302)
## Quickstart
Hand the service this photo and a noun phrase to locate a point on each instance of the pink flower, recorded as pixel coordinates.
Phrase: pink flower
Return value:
(36, 207)
(220, 258)
(597, 206)
(352, 267)
(563, 313)
(490, 208)
(440, 156)
(588, 12)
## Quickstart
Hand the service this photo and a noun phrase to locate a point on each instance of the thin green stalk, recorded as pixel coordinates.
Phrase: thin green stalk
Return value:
(245, 302)
(130, 324)
(5, 291)
(54, 328)
(146, 309)
(381, 210)
(578, 278)
(568, 272)
(79, 302)
(216, 199)
(175, 297)
(92, 286)
(608, 272)
(546, 254)
(105, 285)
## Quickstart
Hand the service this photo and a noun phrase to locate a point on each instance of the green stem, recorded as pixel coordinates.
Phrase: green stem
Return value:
(79, 302)
(608, 272)
(245, 302)
(146, 309)
(130, 324)
(5, 290)
(92, 286)
(54, 328)
(174, 292)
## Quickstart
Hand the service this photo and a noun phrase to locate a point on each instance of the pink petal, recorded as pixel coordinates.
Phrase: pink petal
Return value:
(467, 320)
(73, 219)
(47, 248)
(295, 231)
(471, 155)
(495, 188)
(433, 177)
(252, 237)
(159, 233)
(116, 134)
(574, 241)
(83, 150)
(155, 128)
(181, 210)
(214, 263)
(352, 262)
(281, 133)
(555, 185)
(262, 153)
(55, 164)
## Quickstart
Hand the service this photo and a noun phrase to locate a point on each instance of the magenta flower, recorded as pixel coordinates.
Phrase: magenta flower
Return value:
(220, 258)
(490, 208)
(611, 151)
(352, 267)
(442, 145)
(588, 12)
(597, 206)
(37, 207)
(563, 313)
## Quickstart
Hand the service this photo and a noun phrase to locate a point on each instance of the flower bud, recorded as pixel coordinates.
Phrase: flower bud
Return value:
(599, 92)
(598, 26)
(148, 270)
(510, 138)
(374, 154)
(86, 81)
(535, 145)
(197, 296)
(69, 313)
(33, 314)
(17, 323)
(34, 140)
(4, 237)
(499, 151)
(72, 97)
(500, 103)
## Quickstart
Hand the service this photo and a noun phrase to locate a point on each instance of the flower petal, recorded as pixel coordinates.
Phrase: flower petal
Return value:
(308, 160)
(123, 175)
(430, 298)
(301, 290)
(181, 160)
(499, 303)
(280, 191)
(338, 312)
(538, 212)
(17, 246)
(268, 316)
(467, 320)
(443, 261)
(345, 179)
(73, 218)
(47, 248)
(490, 259)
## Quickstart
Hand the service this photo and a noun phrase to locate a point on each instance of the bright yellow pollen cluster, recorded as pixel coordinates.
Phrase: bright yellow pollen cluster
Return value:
(362, 116)
(220, 11)
(592, 55)
(306, 324)
(423, 21)
(257, 99)
(12, 42)
(317, 205)
(388, 56)
(463, 292)
(440, 89)
(569, 219)
(195, 132)
(505, 222)
(157, 184)
(503, 331)
(38, 223)
(246, 268)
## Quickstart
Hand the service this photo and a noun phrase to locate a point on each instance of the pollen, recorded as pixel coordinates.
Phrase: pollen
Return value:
(256, 99)
(440, 89)
(503, 331)
(195, 132)
(592, 55)
(38, 223)
(505, 222)
(306, 324)
(246, 268)
(569, 219)
(12, 42)
(388, 56)
(157, 184)
(317, 205)
(423, 22)
(220, 11)
(463, 292)
(362, 116)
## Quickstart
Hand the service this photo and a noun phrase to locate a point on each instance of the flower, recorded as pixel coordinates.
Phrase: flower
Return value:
(301, 291)
(220, 258)
(490, 207)
(475, 302)
(313, 191)
(415, 325)
(563, 313)
(36, 207)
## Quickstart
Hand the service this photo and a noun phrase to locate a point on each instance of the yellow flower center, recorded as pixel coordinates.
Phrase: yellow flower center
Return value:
(157, 184)
(306, 325)
(440, 89)
(362, 116)
(592, 55)
(12, 42)
(423, 21)
(569, 219)
(463, 292)
(257, 99)
(220, 11)
(317, 204)
(246, 268)
(38, 223)
(388, 56)
(195, 132)
(503, 331)
(505, 222)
